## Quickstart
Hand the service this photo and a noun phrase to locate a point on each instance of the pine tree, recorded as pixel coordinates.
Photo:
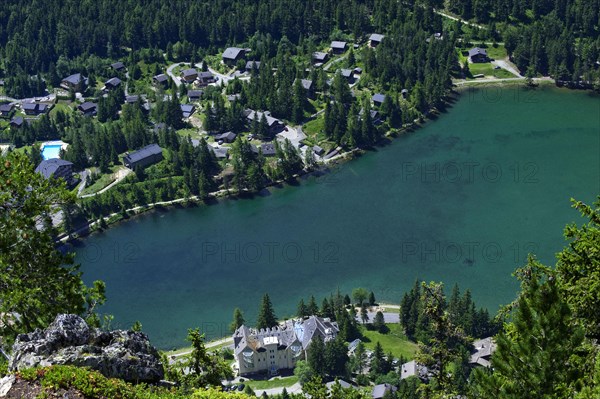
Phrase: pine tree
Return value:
(302, 310)
(238, 320)
(313, 309)
(534, 356)
(316, 356)
(266, 314)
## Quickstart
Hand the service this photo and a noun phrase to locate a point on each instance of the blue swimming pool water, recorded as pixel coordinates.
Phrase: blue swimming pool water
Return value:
(51, 151)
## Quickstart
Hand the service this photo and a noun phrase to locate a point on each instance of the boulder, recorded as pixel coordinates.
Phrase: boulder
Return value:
(127, 355)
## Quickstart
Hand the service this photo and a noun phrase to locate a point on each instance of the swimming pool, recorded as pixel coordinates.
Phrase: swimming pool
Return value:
(51, 151)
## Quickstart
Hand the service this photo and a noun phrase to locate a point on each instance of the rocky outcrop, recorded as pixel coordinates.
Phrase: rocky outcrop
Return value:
(126, 355)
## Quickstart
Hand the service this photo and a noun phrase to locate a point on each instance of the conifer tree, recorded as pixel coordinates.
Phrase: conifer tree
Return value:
(266, 314)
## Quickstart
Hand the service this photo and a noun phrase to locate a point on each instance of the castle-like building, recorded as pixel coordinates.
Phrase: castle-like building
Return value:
(269, 350)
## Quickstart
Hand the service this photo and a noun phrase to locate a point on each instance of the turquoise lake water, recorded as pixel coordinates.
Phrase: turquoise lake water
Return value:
(462, 200)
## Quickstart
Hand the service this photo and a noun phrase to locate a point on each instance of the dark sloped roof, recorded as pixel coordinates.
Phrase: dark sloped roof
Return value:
(117, 65)
(161, 78)
(319, 56)
(87, 106)
(113, 82)
(378, 98)
(189, 72)
(195, 93)
(74, 79)
(17, 121)
(131, 99)
(477, 51)
(338, 44)
(230, 136)
(376, 37)
(49, 166)
(29, 106)
(148, 151)
(250, 63)
(307, 84)
(346, 73)
(6, 107)
(232, 53)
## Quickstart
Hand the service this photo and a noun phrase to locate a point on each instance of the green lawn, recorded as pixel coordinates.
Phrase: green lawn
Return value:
(103, 181)
(273, 383)
(394, 341)
(497, 53)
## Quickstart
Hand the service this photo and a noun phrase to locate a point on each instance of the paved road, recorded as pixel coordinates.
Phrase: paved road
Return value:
(508, 66)
(122, 173)
(83, 175)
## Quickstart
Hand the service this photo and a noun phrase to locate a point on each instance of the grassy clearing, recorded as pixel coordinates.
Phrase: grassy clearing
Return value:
(393, 341)
(315, 128)
(103, 181)
(273, 383)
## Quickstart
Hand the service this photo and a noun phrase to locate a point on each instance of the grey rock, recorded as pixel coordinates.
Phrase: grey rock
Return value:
(6, 384)
(127, 355)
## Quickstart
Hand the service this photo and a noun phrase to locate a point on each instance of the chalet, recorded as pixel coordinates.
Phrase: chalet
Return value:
(187, 110)
(375, 39)
(413, 369)
(75, 82)
(380, 391)
(338, 47)
(35, 108)
(112, 83)
(194, 95)
(478, 55)
(268, 149)
(309, 87)
(281, 347)
(206, 78)
(160, 80)
(378, 99)
(404, 93)
(482, 352)
(189, 75)
(88, 108)
(319, 58)
(358, 70)
(220, 152)
(252, 64)
(1, 82)
(228, 137)
(6, 110)
(148, 155)
(375, 116)
(275, 125)
(56, 168)
(232, 55)
(348, 74)
(319, 151)
(17, 122)
(118, 66)
(233, 97)
(131, 99)
(343, 384)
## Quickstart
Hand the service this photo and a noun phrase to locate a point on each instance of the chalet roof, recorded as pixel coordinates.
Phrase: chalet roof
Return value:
(131, 99)
(74, 79)
(411, 369)
(29, 106)
(220, 152)
(87, 106)
(206, 75)
(270, 120)
(232, 53)
(187, 110)
(319, 56)
(477, 51)
(346, 73)
(148, 151)
(307, 84)
(114, 82)
(189, 72)
(161, 78)
(338, 45)
(194, 93)
(376, 37)
(117, 65)
(378, 98)
(6, 107)
(228, 136)
(48, 167)
(17, 121)
(380, 390)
